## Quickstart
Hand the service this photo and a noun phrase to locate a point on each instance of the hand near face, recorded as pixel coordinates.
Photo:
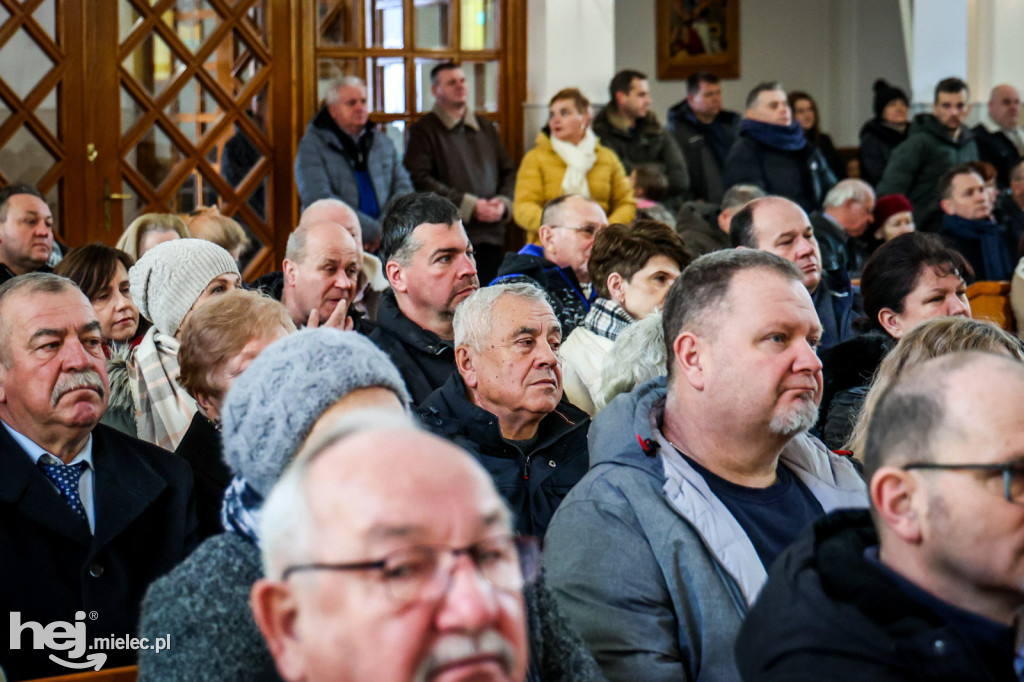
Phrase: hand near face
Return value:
(338, 319)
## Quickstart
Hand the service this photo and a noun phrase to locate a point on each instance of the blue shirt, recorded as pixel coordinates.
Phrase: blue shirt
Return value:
(771, 517)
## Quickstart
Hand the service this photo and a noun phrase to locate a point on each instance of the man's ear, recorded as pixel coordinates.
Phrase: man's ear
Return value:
(3, 383)
(891, 322)
(893, 495)
(276, 613)
(464, 363)
(544, 235)
(396, 276)
(945, 206)
(288, 268)
(687, 354)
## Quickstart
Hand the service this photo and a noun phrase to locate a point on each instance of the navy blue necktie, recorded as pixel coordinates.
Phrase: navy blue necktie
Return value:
(66, 478)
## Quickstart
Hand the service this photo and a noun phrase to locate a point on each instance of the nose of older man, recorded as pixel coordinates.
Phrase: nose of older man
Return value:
(471, 603)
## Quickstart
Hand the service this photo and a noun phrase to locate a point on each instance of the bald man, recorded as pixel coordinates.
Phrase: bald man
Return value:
(391, 578)
(927, 585)
(999, 137)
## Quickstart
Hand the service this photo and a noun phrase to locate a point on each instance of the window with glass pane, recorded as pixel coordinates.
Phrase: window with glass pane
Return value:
(384, 24)
(482, 81)
(479, 23)
(424, 97)
(387, 84)
(337, 22)
(433, 24)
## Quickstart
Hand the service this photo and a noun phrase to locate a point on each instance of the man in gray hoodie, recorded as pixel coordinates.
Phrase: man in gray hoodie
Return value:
(700, 480)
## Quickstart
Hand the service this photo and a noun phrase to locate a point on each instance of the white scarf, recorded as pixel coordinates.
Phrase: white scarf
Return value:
(579, 159)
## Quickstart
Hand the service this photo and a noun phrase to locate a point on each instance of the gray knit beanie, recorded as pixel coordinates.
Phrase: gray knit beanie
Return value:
(169, 278)
(272, 406)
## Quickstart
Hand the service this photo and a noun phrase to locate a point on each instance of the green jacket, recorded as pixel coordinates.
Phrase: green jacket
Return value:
(651, 144)
(918, 162)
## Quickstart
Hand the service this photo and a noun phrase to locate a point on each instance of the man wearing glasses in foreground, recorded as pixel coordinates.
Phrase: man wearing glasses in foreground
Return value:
(373, 576)
(559, 264)
(928, 585)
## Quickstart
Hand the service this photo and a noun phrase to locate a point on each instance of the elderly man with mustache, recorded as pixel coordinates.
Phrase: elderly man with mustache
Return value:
(505, 404)
(88, 516)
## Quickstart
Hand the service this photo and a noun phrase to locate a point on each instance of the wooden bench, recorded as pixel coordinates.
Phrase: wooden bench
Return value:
(991, 301)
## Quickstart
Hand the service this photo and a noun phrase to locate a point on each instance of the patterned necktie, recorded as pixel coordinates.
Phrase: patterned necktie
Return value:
(66, 478)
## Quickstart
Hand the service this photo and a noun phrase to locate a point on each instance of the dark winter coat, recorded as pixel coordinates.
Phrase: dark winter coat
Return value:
(828, 614)
(915, 167)
(423, 358)
(649, 143)
(52, 567)
(533, 483)
(877, 140)
(703, 162)
(997, 149)
(201, 448)
(801, 175)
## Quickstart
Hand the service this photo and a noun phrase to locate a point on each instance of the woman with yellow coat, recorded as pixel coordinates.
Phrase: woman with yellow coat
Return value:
(568, 159)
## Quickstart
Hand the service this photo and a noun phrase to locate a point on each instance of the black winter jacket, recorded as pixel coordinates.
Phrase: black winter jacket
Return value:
(801, 175)
(702, 160)
(829, 614)
(533, 483)
(423, 358)
(877, 140)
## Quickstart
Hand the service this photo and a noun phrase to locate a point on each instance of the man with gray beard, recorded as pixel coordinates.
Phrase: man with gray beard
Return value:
(88, 516)
(699, 480)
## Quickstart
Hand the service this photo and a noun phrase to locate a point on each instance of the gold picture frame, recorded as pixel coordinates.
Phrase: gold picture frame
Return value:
(698, 35)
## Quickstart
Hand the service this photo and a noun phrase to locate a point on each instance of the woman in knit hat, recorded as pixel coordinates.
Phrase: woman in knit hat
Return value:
(167, 284)
(297, 386)
(894, 215)
(880, 135)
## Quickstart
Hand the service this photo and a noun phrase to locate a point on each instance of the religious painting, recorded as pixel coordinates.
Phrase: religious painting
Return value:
(698, 35)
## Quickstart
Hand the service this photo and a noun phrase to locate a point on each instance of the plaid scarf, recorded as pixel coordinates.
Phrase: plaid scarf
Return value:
(163, 410)
(240, 511)
(607, 318)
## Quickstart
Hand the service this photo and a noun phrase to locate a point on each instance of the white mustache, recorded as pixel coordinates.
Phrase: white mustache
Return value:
(454, 647)
(73, 381)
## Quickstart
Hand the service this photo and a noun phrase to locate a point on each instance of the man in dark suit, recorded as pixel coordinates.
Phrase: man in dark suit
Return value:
(88, 516)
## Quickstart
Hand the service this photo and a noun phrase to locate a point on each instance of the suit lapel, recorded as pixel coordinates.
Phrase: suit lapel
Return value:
(125, 485)
(26, 488)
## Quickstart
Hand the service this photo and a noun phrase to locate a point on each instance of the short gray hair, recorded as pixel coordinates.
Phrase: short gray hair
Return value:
(740, 195)
(849, 189)
(286, 518)
(295, 249)
(331, 95)
(637, 355)
(472, 323)
(29, 283)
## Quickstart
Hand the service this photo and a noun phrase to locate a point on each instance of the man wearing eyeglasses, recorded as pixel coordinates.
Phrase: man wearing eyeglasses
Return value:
(928, 585)
(376, 576)
(559, 264)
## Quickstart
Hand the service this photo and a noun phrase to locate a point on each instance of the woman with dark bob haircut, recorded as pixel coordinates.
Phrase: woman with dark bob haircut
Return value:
(915, 277)
(101, 272)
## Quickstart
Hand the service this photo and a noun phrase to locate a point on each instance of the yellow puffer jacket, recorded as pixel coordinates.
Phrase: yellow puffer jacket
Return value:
(539, 180)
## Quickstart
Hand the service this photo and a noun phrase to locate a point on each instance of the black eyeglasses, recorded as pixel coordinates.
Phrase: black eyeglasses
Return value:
(424, 572)
(1013, 475)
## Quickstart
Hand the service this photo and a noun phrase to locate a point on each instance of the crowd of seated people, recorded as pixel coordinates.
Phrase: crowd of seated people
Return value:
(723, 403)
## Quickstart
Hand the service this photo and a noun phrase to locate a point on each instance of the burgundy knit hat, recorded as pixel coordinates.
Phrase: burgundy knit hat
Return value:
(890, 205)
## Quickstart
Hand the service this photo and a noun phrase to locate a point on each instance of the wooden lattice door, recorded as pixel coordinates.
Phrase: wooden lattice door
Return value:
(152, 106)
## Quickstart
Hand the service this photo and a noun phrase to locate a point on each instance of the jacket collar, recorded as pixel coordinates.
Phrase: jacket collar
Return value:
(391, 318)
(449, 121)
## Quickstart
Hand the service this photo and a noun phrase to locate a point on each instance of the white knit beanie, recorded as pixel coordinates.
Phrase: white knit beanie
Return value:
(169, 278)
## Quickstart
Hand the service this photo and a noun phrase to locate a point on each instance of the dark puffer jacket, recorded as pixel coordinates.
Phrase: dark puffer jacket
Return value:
(702, 158)
(801, 175)
(533, 483)
(649, 143)
(877, 140)
(828, 614)
(423, 358)
(917, 164)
